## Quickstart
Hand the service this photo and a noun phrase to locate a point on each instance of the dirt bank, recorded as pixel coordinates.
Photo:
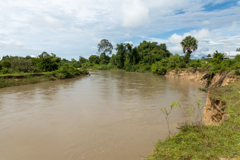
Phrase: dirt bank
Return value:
(214, 111)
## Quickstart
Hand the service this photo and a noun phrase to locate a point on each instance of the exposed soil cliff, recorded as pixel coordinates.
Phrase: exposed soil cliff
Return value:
(188, 75)
(213, 113)
(198, 75)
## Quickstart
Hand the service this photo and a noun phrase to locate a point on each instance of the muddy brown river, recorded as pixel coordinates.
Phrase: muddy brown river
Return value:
(111, 115)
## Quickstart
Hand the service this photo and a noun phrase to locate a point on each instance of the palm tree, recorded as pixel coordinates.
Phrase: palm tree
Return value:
(189, 45)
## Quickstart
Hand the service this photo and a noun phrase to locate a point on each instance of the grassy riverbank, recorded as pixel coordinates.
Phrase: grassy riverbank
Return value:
(207, 142)
(17, 79)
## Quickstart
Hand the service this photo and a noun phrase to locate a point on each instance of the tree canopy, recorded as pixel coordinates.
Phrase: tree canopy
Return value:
(105, 46)
(189, 45)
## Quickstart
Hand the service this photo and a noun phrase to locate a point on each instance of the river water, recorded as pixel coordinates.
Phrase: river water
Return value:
(111, 115)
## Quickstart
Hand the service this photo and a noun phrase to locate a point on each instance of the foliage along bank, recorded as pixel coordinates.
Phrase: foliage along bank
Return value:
(156, 58)
(16, 70)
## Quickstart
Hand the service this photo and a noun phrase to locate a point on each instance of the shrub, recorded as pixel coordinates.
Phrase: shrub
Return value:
(20, 65)
(237, 58)
(159, 68)
(217, 57)
(195, 63)
(67, 71)
(6, 64)
(86, 65)
(4, 71)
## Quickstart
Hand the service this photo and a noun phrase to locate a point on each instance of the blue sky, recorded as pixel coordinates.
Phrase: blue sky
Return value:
(73, 28)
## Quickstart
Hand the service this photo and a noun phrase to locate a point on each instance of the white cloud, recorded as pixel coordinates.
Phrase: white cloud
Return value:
(130, 42)
(175, 39)
(205, 22)
(135, 13)
(68, 28)
(238, 2)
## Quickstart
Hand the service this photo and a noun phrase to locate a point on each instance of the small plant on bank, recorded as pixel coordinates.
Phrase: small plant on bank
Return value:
(166, 114)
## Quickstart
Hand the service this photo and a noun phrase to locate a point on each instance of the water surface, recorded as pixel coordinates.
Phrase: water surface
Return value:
(109, 115)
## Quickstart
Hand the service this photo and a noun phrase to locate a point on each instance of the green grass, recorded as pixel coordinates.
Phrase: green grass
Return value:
(18, 75)
(207, 142)
(5, 82)
(17, 79)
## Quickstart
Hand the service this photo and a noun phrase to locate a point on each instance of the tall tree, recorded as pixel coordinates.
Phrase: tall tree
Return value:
(209, 55)
(121, 54)
(238, 49)
(105, 46)
(189, 45)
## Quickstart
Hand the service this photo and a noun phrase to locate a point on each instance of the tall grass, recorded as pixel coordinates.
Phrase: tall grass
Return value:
(7, 82)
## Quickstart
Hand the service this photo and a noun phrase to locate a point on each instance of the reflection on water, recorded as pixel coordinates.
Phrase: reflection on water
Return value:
(109, 115)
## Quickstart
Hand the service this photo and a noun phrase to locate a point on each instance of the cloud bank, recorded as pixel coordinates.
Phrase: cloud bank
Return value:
(73, 28)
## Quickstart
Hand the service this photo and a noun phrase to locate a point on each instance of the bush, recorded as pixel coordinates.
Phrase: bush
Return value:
(237, 72)
(67, 71)
(237, 58)
(20, 65)
(6, 64)
(86, 65)
(159, 68)
(217, 57)
(195, 63)
(4, 71)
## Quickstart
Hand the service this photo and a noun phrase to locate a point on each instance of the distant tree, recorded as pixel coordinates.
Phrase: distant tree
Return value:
(6, 64)
(48, 63)
(5, 57)
(237, 57)
(104, 59)
(82, 60)
(28, 57)
(43, 54)
(217, 57)
(238, 49)
(209, 55)
(73, 60)
(189, 45)
(53, 55)
(94, 59)
(121, 55)
(65, 60)
(105, 47)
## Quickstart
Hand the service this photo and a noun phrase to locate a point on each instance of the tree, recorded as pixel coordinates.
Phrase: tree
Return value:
(121, 54)
(43, 54)
(217, 57)
(105, 46)
(48, 63)
(94, 59)
(189, 45)
(82, 60)
(104, 59)
(238, 49)
(6, 64)
(209, 55)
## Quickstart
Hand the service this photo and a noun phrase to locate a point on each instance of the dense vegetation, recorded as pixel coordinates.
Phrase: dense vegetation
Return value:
(25, 70)
(156, 58)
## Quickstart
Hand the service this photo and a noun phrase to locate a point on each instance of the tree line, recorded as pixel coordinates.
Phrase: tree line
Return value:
(45, 62)
(156, 58)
